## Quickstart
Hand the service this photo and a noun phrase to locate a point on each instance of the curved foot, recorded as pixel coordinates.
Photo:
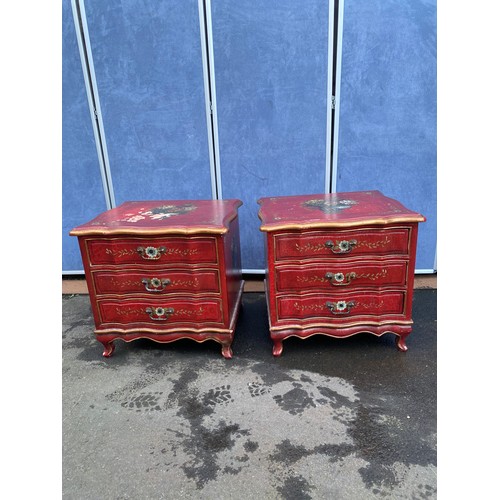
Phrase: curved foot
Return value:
(109, 348)
(401, 342)
(277, 347)
(227, 351)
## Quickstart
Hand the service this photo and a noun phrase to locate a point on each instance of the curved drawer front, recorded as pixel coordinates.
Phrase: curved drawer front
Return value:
(340, 275)
(160, 313)
(333, 244)
(156, 282)
(340, 306)
(161, 251)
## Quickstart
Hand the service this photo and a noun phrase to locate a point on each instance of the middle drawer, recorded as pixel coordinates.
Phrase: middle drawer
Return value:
(343, 274)
(156, 281)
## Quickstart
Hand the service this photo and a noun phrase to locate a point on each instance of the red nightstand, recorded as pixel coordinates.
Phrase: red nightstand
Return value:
(339, 264)
(164, 270)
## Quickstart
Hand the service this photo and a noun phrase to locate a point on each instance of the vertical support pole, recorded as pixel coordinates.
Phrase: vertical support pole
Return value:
(336, 112)
(335, 27)
(207, 54)
(83, 39)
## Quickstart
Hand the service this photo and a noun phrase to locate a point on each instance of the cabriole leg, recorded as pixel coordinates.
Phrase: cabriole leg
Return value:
(227, 351)
(109, 347)
(277, 347)
(401, 342)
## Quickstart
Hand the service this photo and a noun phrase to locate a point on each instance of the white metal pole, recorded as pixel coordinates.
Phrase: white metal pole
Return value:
(329, 97)
(79, 16)
(213, 93)
(336, 113)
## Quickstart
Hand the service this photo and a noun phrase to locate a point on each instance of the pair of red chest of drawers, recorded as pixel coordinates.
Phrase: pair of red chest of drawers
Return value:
(337, 264)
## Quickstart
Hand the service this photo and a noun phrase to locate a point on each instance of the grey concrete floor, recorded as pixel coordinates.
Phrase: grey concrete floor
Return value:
(331, 418)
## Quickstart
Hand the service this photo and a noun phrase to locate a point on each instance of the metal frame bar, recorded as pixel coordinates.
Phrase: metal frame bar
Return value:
(329, 87)
(336, 113)
(207, 54)
(83, 39)
(332, 117)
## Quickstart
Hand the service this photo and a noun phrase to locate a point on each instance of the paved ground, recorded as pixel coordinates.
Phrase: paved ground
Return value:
(344, 419)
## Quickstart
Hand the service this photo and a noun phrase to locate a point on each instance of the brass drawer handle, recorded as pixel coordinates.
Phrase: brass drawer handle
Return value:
(340, 279)
(342, 246)
(159, 313)
(340, 307)
(151, 253)
(155, 284)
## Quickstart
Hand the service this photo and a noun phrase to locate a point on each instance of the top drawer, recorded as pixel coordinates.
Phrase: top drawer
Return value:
(179, 249)
(325, 244)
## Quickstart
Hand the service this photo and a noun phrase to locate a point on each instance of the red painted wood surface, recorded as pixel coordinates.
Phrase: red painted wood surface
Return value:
(160, 217)
(164, 270)
(159, 312)
(340, 275)
(363, 233)
(333, 210)
(152, 250)
(350, 305)
(157, 281)
(334, 244)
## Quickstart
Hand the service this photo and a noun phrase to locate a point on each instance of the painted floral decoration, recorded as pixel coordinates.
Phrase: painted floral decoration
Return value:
(159, 213)
(330, 206)
(166, 211)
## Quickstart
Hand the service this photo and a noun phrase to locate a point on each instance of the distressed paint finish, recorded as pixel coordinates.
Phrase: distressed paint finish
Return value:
(154, 238)
(372, 226)
(148, 65)
(387, 135)
(271, 79)
(82, 191)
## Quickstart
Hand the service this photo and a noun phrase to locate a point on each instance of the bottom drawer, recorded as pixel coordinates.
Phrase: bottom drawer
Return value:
(160, 312)
(340, 306)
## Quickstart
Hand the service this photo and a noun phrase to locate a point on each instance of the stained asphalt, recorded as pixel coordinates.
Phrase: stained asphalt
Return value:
(331, 418)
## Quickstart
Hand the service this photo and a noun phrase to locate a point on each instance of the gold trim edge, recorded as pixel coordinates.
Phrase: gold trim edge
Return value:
(269, 227)
(340, 326)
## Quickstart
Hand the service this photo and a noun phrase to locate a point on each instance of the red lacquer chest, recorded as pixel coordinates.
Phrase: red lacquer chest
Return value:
(339, 264)
(164, 270)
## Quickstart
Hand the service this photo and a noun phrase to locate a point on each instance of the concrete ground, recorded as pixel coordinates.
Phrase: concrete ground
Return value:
(331, 418)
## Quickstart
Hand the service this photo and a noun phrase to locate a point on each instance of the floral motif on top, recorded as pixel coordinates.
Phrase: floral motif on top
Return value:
(160, 213)
(329, 206)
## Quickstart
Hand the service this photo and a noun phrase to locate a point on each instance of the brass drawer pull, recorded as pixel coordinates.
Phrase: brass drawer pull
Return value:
(151, 253)
(342, 246)
(340, 279)
(155, 284)
(340, 307)
(160, 313)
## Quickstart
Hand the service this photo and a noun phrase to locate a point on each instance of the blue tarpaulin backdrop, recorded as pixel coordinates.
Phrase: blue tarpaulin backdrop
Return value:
(270, 68)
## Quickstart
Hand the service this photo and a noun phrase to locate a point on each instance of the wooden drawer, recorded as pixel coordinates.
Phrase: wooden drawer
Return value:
(340, 275)
(160, 312)
(156, 282)
(339, 306)
(117, 251)
(340, 243)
